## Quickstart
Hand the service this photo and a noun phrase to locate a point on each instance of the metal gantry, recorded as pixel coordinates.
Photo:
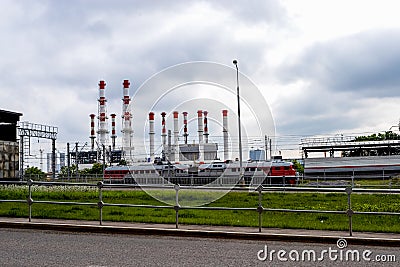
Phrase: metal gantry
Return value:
(26, 130)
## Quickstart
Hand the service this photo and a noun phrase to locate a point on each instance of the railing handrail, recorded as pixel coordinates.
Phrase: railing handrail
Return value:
(259, 189)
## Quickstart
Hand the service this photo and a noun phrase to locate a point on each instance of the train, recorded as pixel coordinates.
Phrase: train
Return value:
(213, 173)
(367, 166)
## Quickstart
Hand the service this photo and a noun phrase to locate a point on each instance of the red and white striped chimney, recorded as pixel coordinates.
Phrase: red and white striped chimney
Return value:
(164, 132)
(127, 131)
(200, 130)
(200, 125)
(151, 135)
(176, 136)
(225, 133)
(92, 131)
(113, 133)
(205, 127)
(102, 130)
(185, 130)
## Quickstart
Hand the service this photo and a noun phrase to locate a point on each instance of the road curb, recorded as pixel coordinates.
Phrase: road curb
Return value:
(103, 229)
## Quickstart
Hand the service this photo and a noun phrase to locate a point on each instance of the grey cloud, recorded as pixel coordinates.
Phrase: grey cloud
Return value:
(68, 46)
(367, 63)
(317, 111)
(254, 11)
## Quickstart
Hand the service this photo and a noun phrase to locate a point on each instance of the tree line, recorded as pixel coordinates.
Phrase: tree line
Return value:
(380, 151)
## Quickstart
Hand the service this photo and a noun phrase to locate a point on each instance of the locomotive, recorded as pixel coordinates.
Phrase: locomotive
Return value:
(214, 173)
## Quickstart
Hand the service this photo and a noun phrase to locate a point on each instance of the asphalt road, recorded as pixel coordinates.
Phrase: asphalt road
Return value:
(19, 247)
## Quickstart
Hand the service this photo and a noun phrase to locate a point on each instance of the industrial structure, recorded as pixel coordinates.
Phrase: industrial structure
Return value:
(102, 111)
(9, 148)
(26, 131)
(373, 157)
(201, 151)
(106, 150)
(59, 162)
(365, 156)
(13, 152)
(127, 130)
(103, 147)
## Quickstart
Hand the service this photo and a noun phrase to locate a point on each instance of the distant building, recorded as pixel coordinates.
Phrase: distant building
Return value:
(60, 162)
(9, 147)
(257, 155)
(190, 152)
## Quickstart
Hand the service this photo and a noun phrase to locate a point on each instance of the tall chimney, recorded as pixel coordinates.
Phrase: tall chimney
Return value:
(92, 131)
(113, 134)
(151, 134)
(225, 133)
(102, 129)
(176, 135)
(164, 133)
(169, 156)
(200, 130)
(127, 131)
(185, 130)
(200, 125)
(205, 127)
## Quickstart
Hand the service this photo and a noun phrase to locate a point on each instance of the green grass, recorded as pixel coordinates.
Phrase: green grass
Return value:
(359, 182)
(302, 201)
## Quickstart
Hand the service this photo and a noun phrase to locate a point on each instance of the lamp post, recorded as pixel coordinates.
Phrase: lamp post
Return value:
(241, 173)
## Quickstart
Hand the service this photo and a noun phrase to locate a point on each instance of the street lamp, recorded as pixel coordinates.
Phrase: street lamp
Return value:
(241, 173)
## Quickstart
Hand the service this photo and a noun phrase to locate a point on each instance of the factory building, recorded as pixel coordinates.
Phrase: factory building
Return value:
(9, 147)
(172, 150)
(191, 152)
(201, 151)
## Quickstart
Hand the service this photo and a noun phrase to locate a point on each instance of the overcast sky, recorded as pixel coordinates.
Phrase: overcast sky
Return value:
(323, 67)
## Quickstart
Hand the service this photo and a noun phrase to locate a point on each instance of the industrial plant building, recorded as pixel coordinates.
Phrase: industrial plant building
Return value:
(103, 145)
(175, 146)
(9, 148)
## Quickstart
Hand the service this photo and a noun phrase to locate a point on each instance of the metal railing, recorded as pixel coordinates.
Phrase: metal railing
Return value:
(367, 181)
(354, 181)
(349, 212)
(160, 181)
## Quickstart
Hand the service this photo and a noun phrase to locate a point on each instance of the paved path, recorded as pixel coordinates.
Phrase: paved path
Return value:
(33, 247)
(249, 233)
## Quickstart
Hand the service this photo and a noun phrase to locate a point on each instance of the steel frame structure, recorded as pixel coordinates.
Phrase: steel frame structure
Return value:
(27, 129)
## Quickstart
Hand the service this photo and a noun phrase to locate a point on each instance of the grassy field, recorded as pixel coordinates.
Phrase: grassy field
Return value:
(302, 201)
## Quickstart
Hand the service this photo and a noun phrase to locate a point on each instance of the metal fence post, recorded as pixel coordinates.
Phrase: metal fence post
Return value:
(260, 207)
(284, 183)
(30, 200)
(100, 204)
(177, 206)
(350, 212)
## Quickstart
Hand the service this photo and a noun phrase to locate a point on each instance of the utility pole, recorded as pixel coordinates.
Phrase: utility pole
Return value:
(241, 178)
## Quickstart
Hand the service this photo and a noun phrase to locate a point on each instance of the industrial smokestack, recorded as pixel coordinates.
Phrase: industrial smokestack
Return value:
(113, 134)
(200, 125)
(205, 127)
(200, 130)
(127, 131)
(151, 134)
(92, 131)
(169, 156)
(176, 135)
(102, 129)
(164, 133)
(185, 133)
(225, 133)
